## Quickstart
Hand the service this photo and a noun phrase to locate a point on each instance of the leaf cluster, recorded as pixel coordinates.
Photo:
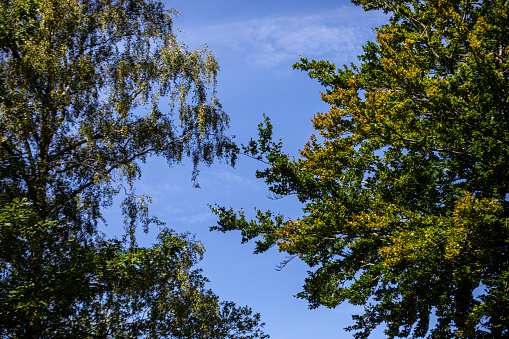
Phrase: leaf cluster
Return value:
(54, 284)
(88, 112)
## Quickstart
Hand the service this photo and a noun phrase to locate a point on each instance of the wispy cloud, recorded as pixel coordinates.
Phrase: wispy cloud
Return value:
(227, 179)
(198, 217)
(336, 35)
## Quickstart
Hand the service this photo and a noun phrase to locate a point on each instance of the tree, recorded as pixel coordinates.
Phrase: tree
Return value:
(105, 289)
(83, 82)
(88, 112)
(405, 191)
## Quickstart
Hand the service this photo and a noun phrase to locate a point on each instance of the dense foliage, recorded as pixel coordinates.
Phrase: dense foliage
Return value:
(88, 83)
(16, 25)
(405, 191)
(105, 289)
(80, 111)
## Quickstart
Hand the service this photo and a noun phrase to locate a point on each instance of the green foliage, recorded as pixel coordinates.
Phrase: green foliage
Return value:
(53, 285)
(89, 82)
(83, 84)
(16, 25)
(406, 190)
(16, 22)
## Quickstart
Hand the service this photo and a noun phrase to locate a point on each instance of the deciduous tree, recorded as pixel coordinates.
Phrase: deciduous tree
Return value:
(89, 82)
(405, 191)
(90, 89)
(106, 289)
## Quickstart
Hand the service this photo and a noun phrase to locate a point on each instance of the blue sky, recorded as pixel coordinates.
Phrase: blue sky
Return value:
(256, 42)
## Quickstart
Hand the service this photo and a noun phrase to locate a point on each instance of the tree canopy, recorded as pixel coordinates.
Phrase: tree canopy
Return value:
(90, 89)
(405, 190)
(89, 82)
(106, 289)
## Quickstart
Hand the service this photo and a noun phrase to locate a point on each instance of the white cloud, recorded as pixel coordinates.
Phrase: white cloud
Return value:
(229, 176)
(227, 179)
(199, 217)
(267, 42)
(169, 209)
